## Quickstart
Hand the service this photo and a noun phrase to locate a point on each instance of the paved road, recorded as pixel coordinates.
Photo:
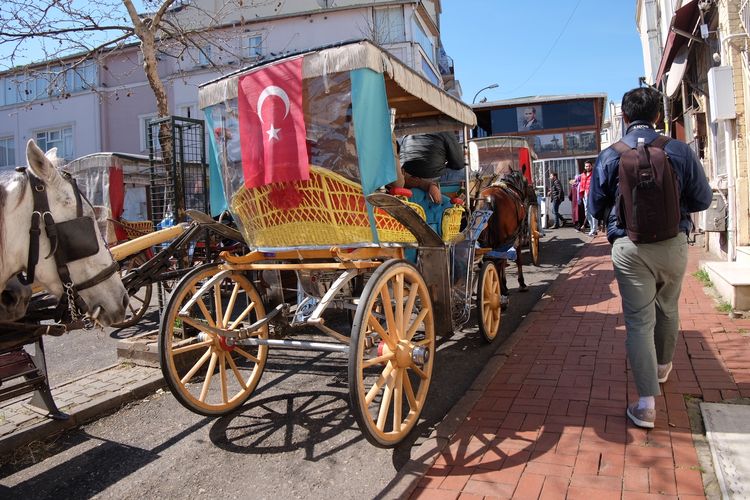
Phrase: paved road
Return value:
(296, 437)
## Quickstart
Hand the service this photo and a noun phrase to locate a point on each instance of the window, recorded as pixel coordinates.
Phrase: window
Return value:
(254, 46)
(143, 125)
(7, 152)
(204, 56)
(429, 73)
(389, 25)
(60, 138)
(420, 36)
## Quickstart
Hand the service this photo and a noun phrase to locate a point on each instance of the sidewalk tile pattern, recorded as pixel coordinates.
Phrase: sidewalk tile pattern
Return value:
(81, 398)
(552, 424)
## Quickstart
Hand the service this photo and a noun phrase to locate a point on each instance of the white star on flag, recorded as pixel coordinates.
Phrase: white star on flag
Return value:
(273, 133)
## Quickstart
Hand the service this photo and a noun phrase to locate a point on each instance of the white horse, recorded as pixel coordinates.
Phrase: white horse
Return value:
(107, 299)
(14, 300)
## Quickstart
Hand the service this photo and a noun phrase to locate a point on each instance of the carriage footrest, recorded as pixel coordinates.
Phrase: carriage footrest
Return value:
(16, 364)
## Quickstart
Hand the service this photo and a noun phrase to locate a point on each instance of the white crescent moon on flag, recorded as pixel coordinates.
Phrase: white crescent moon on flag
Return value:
(269, 91)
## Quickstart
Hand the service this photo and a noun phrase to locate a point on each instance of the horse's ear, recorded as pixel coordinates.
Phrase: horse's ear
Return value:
(39, 163)
(52, 155)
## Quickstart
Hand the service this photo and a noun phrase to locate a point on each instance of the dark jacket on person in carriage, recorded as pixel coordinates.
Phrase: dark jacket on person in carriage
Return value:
(695, 192)
(427, 155)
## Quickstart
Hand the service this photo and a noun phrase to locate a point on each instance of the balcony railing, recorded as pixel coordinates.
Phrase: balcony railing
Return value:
(745, 15)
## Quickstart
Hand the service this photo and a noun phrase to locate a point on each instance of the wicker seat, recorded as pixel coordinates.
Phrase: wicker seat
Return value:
(328, 209)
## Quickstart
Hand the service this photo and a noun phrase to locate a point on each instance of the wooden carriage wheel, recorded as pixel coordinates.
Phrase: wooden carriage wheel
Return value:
(208, 373)
(391, 353)
(140, 299)
(488, 301)
(534, 233)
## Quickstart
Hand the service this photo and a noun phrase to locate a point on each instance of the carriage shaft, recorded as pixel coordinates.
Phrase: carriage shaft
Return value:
(297, 344)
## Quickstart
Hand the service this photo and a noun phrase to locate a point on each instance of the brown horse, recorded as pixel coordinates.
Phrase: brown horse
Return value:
(509, 204)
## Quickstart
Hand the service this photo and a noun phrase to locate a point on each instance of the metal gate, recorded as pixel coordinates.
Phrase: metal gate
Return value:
(179, 172)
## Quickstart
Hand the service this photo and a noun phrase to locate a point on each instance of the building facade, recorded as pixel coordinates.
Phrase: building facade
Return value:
(563, 131)
(105, 104)
(696, 53)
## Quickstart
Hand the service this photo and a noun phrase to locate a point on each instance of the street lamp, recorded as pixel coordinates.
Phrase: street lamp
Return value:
(493, 86)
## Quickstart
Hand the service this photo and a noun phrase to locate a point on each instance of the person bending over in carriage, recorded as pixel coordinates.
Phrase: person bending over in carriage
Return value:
(425, 158)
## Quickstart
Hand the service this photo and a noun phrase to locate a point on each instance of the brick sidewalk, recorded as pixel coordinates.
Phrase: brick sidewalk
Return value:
(83, 399)
(551, 421)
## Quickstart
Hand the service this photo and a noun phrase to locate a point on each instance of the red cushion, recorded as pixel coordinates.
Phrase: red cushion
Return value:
(397, 191)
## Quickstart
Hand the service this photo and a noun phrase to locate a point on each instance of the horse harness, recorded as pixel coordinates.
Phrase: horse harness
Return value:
(69, 241)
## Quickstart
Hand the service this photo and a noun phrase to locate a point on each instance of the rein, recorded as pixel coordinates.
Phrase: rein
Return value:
(69, 240)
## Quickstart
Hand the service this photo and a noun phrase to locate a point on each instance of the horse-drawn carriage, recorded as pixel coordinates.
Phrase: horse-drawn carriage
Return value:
(306, 145)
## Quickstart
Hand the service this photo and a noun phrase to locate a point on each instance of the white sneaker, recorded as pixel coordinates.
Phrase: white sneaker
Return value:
(663, 373)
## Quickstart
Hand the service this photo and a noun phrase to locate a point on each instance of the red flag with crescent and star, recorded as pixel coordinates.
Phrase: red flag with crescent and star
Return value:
(272, 125)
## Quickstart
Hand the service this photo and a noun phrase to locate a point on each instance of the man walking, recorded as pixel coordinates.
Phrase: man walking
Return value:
(556, 196)
(649, 275)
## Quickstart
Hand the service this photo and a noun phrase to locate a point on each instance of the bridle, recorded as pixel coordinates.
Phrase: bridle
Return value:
(69, 241)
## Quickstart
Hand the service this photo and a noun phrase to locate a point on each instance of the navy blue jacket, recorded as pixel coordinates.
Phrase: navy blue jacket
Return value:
(695, 193)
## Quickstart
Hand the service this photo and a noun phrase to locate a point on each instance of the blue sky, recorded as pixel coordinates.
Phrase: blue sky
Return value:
(542, 47)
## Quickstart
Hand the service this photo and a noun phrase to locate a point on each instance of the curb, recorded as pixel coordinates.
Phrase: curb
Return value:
(83, 413)
(407, 479)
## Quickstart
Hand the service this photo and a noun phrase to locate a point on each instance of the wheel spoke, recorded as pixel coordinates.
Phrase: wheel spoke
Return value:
(417, 321)
(418, 371)
(409, 391)
(385, 403)
(230, 306)
(209, 376)
(378, 384)
(204, 310)
(378, 361)
(236, 372)
(217, 305)
(197, 366)
(247, 355)
(413, 291)
(196, 323)
(390, 321)
(242, 316)
(191, 347)
(375, 324)
(223, 374)
(398, 293)
(397, 400)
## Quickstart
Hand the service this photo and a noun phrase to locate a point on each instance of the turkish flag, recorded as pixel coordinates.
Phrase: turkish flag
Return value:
(272, 125)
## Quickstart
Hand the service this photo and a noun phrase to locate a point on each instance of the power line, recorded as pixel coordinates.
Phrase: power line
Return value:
(552, 47)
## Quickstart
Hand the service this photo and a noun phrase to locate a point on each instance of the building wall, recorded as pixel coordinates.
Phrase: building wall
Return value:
(112, 118)
(729, 23)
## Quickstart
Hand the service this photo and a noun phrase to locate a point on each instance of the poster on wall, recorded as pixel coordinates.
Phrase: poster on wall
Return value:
(580, 142)
(529, 118)
(548, 144)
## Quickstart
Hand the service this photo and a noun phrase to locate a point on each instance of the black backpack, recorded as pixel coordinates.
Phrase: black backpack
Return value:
(648, 206)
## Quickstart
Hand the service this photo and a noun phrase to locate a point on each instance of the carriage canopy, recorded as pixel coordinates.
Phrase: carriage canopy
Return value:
(301, 141)
(494, 157)
(117, 181)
